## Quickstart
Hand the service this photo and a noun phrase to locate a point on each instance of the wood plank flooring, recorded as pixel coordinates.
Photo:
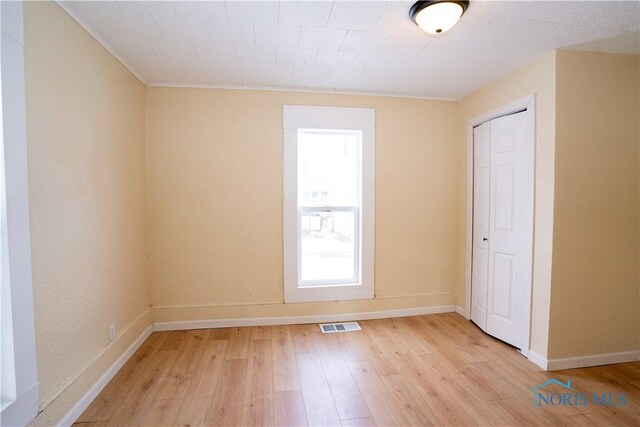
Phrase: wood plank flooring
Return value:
(424, 370)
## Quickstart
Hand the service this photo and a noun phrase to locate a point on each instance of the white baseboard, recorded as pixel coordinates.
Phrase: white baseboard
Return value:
(538, 360)
(293, 320)
(593, 360)
(583, 361)
(93, 392)
(462, 312)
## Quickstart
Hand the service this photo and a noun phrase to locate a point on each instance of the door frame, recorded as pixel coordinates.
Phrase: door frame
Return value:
(528, 103)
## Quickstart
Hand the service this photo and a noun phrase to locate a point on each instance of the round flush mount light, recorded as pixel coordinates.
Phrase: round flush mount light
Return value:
(436, 17)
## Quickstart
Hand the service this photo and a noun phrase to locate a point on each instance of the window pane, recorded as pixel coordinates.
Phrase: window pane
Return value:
(328, 168)
(328, 246)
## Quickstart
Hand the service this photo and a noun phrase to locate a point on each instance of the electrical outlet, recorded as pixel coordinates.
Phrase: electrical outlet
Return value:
(112, 332)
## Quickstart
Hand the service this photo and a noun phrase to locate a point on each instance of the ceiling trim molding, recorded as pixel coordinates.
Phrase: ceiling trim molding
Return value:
(93, 33)
(302, 90)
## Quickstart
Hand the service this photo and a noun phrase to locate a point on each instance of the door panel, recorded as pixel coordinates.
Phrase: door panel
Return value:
(504, 199)
(502, 299)
(480, 254)
(511, 228)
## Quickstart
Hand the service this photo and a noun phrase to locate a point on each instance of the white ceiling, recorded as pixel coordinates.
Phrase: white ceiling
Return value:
(353, 46)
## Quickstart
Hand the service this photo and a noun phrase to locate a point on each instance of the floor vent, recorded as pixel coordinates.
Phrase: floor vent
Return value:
(332, 328)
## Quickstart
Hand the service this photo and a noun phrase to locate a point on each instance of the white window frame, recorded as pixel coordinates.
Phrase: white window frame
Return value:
(328, 118)
(22, 400)
(355, 209)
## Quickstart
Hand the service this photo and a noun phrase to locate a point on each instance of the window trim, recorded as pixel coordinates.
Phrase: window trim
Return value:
(22, 406)
(334, 118)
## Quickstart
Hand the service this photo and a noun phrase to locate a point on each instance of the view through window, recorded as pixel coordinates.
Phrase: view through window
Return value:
(329, 193)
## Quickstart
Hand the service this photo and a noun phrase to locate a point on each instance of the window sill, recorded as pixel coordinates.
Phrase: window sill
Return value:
(323, 293)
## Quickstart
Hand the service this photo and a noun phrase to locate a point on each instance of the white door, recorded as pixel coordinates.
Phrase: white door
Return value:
(480, 260)
(509, 244)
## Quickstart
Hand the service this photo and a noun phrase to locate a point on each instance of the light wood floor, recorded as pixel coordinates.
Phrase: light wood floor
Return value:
(426, 370)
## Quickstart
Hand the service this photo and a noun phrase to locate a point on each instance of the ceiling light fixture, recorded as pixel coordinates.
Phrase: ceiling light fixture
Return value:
(437, 16)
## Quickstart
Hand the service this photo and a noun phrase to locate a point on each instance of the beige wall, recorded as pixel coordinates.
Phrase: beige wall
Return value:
(85, 131)
(594, 297)
(214, 176)
(536, 78)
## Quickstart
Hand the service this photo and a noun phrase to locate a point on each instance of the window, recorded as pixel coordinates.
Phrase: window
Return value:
(329, 203)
